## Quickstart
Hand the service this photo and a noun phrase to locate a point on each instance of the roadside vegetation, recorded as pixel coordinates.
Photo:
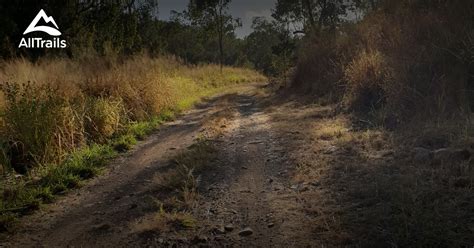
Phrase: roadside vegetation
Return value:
(405, 63)
(387, 156)
(395, 158)
(62, 119)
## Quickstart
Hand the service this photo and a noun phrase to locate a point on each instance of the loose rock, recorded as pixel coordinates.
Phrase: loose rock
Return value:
(229, 228)
(220, 230)
(200, 239)
(246, 232)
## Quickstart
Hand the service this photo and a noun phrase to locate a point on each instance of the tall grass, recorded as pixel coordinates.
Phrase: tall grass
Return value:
(406, 66)
(54, 108)
(410, 58)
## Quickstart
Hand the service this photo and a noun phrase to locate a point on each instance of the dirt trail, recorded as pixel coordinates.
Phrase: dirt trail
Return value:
(247, 189)
(282, 174)
(252, 189)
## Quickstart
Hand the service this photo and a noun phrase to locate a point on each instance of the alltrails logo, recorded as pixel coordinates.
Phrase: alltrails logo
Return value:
(55, 42)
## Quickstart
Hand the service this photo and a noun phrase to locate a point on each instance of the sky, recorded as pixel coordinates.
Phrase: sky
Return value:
(246, 10)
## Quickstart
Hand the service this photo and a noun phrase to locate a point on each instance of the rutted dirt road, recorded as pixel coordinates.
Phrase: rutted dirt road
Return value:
(247, 189)
(283, 175)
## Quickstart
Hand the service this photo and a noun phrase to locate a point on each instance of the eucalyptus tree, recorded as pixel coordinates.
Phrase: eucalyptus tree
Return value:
(313, 15)
(213, 15)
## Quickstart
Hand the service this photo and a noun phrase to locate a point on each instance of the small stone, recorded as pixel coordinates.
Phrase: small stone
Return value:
(183, 239)
(246, 232)
(200, 239)
(219, 230)
(271, 224)
(387, 153)
(315, 184)
(229, 228)
(244, 167)
(304, 189)
(102, 227)
(270, 180)
(330, 150)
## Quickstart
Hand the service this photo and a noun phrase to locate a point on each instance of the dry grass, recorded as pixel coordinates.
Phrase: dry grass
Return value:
(406, 59)
(179, 187)
(331, 129)
(166, 222)
(187, 166)
(370, 82)
(366, 190)
(75, 102)
(180, 183)
(53, 109)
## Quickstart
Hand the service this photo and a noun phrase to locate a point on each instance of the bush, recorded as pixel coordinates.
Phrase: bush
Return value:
(320, 68)
(370, 81)
(410, 58)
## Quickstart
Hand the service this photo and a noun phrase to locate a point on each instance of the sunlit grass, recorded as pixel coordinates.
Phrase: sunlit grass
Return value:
(62, 120)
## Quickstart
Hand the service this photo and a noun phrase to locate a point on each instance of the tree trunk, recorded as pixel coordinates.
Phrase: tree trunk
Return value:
(221, 37)
(307, 4)
(322, 15)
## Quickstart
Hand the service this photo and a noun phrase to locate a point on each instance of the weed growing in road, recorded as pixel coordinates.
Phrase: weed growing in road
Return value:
(188, 165)
(183, 181)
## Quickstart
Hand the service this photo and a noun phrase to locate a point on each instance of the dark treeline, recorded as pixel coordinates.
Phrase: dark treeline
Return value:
(204, 32)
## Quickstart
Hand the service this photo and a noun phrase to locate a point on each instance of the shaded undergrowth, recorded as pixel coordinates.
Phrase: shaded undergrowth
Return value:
(370, 188)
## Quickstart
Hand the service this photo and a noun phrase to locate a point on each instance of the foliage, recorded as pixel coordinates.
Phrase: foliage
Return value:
(93, 100)
(311, 14)
(74, 115)
(213, 16)
(105, 27)
(116, 28)
(270, 47)
(404, 59)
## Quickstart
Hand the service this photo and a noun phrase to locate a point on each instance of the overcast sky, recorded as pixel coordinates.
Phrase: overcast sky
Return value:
(243, 9)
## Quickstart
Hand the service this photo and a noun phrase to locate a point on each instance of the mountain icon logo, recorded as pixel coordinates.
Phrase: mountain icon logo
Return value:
(48, 19)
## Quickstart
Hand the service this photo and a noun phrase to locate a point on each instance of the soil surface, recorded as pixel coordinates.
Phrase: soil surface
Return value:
(285, 175)
(249, 188)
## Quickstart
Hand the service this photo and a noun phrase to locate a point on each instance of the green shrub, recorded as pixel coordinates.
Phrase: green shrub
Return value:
(124, 143)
